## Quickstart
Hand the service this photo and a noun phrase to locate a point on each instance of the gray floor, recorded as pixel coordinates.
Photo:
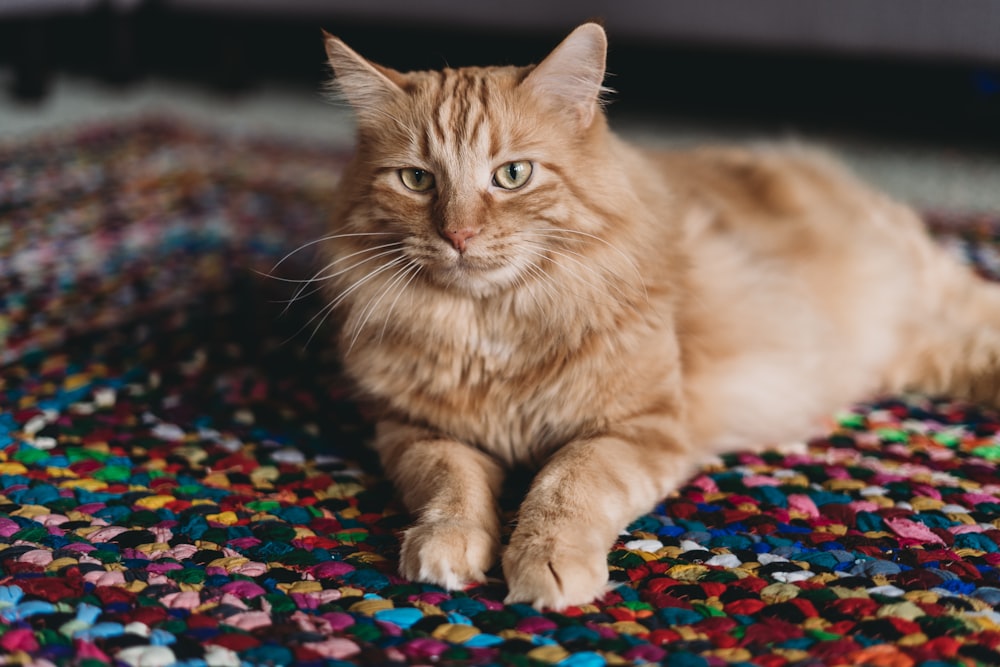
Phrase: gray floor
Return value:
(926, 176)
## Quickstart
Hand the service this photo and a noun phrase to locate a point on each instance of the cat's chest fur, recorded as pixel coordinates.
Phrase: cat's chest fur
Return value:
(484, 377)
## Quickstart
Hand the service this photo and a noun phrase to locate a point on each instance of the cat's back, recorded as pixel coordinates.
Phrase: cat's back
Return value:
(797, 270)
(781, 195)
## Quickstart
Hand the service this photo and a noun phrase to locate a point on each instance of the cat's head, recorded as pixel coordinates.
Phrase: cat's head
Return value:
(480, 175)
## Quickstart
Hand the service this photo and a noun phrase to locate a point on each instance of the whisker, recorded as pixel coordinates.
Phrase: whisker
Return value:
(301, 292)
(547, 232)
(326, 238)
(568, 255)
(543, 281)
(551, 280)
(540, 274)
(402, 290)
(324, 312)
(396, 244)
(330, 307)
(372, 274)
(369, 310)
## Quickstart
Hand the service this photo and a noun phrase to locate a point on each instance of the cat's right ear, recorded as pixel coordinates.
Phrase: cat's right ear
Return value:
(367, 87)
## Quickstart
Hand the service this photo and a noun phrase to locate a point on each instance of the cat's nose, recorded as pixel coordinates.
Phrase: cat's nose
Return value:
(459, 237)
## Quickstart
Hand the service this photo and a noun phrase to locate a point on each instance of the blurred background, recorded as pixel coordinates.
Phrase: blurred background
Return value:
(907, 90)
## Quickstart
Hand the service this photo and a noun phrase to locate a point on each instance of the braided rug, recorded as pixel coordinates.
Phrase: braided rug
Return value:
(180, 485)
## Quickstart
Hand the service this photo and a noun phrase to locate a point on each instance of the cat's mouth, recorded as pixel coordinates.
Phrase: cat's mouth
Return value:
(477, 264)
(474, 274)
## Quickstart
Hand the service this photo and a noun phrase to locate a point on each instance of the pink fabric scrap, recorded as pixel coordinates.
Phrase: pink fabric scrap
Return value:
(975, 498)
(231, 600)
(179, 552)
(250, 620)
(913, 530)
(705, 483)
(918, 489)
(243, 589)
(245, 542)
(305, 600)
(332, 569)
(90, 508)
(799, 502)
(8, 527)
(339, 620)
(106, 534)
(312, 623)
(761, 480)
(182, 600)
(85, 649)
(161, 533)
(19, 639)
(536, 625)
(161, 567)
(98, 578)
(40, 557)
(251, 569)
(51, 519)
(335, 648)
(863, 506)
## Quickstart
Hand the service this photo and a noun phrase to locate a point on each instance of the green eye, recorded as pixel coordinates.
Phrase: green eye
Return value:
(417, 180)
(512, 175)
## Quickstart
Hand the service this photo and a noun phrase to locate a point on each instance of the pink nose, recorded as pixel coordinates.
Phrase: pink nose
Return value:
(459, 237)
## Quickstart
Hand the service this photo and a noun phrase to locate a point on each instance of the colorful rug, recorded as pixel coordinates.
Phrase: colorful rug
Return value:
(180, 485)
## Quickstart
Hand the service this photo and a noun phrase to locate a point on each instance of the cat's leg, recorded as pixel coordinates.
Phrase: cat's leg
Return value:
(578, 504)
(452, 490)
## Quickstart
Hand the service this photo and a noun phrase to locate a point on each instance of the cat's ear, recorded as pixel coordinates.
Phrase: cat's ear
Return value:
(367, 87)
(572, 75)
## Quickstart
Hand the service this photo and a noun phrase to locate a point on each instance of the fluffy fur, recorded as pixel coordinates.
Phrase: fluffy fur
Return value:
(613, 321)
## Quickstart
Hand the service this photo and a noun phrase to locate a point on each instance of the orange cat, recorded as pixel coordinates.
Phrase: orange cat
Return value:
(516, 285)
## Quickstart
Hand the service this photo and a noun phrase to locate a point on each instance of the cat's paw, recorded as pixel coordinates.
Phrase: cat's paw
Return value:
(550, 574)
(450, 554)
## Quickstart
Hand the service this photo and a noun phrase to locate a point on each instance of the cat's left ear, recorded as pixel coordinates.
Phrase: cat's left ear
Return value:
(572, 75)
(366, 86)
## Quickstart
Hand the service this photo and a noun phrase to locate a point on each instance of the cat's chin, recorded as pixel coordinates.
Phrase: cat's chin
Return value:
(476, 278)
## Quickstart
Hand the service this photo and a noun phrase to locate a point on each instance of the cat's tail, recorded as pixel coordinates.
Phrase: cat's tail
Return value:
(951, 344)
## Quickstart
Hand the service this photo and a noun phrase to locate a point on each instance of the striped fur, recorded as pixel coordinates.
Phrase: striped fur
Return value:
(613, 321)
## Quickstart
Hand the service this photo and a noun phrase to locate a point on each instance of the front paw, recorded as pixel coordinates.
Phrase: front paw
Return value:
(546, 572)
(450, 554)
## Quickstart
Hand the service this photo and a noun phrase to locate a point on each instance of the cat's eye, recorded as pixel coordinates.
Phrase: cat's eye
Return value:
(417, 180)
(512, 175)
